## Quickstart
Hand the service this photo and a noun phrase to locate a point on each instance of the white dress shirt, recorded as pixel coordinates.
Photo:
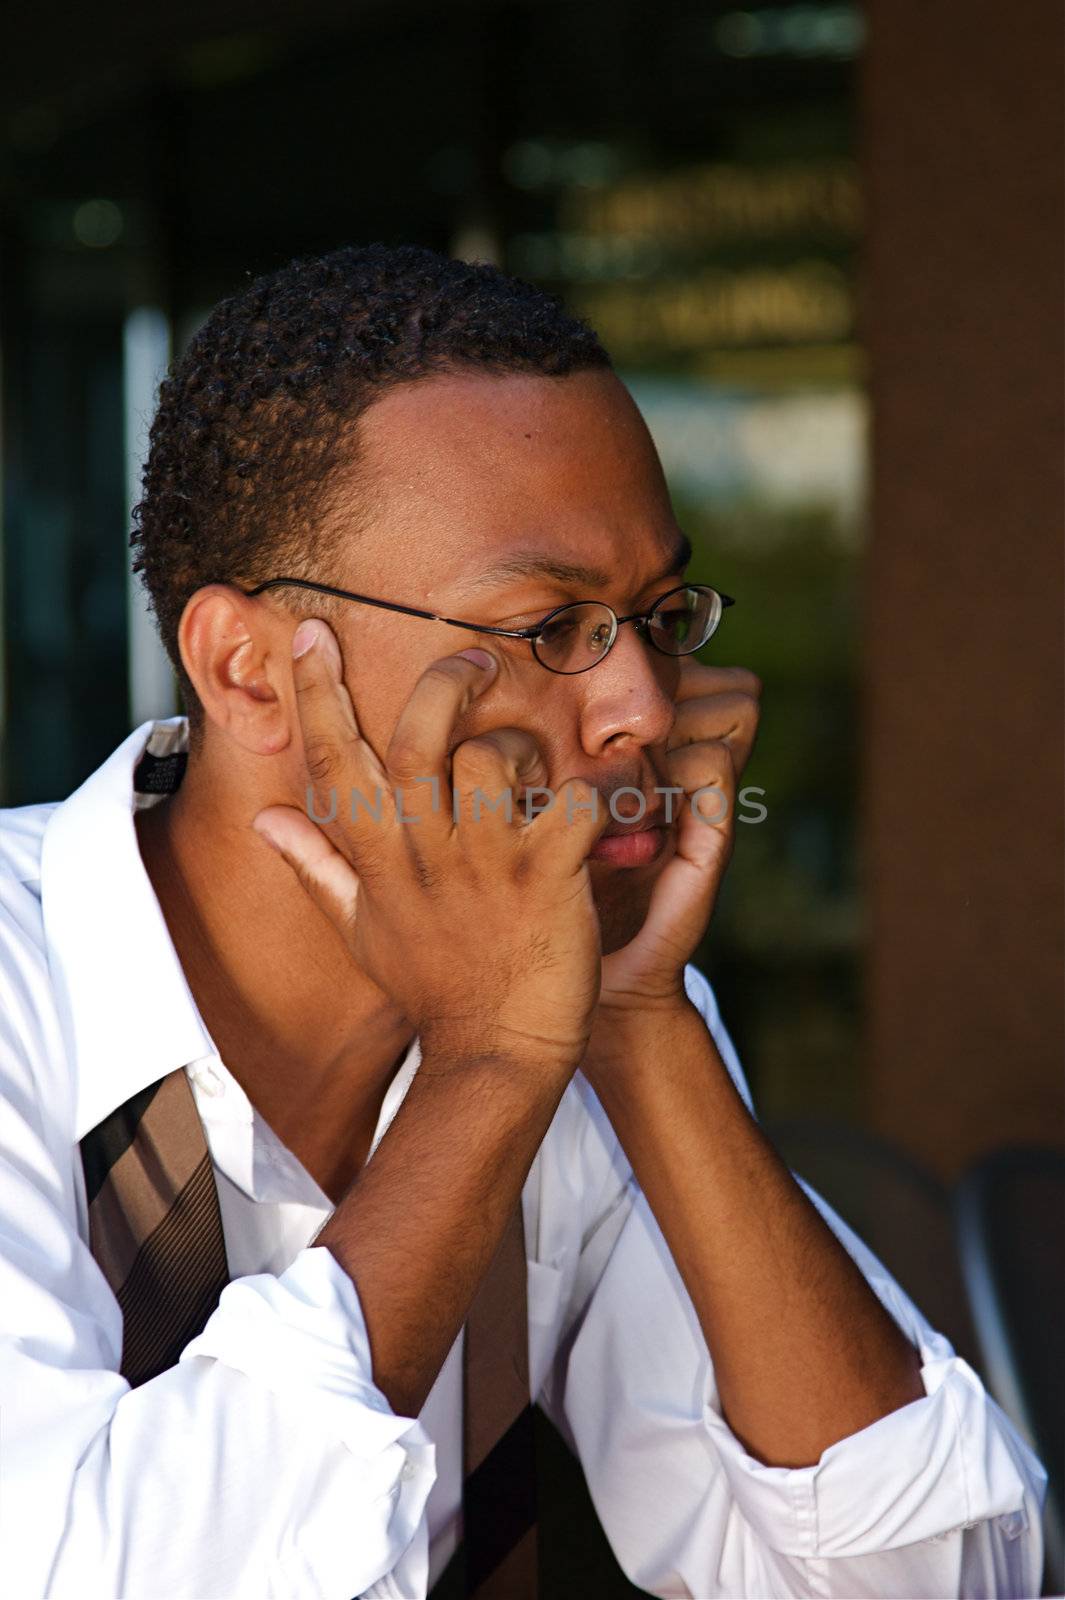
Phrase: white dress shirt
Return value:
(267, 1463)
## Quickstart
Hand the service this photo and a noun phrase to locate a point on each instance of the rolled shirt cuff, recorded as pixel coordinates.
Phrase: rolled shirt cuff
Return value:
(939, 1464)
(302, 1335)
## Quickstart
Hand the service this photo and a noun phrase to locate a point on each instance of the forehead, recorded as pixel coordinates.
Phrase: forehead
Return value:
(461, 469)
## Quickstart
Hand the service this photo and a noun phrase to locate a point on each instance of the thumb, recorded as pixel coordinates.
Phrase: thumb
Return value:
(324, 873)
(680, 907)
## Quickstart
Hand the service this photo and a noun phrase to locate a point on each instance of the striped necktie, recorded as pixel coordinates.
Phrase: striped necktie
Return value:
(154, 1223)
(155, 1229)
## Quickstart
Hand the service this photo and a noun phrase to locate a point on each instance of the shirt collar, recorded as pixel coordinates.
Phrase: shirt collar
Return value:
(126, 1007)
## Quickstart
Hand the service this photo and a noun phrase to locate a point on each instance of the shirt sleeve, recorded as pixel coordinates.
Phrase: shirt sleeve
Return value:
(939, 1498)
(264, 1464)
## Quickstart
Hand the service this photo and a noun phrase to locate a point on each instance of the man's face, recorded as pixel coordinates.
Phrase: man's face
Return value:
(494, 500)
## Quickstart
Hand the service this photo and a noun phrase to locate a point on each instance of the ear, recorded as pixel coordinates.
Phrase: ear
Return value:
(237, 654)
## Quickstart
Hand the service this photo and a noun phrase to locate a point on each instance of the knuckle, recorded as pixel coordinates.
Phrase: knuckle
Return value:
(480, 755)
(713, 756)
(578, 809)
(529, 762)
(699, 765)
(368, 863)
(322, 756)
(307, 683)
(424, 875)
(539, 954)
(405, 760)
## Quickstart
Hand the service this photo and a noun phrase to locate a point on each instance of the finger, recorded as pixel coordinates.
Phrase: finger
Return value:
(730, 718)
(679, 910)
(487, 769)
(328, 878)
(706, 819)
(697, 678)
(694, 766)
(417, 759)
(339, 761)
(568, 828)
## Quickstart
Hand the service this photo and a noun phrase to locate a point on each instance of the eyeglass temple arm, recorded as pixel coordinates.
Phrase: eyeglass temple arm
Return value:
(385, 605)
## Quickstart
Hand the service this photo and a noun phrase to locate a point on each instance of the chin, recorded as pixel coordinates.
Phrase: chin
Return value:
(622, 897)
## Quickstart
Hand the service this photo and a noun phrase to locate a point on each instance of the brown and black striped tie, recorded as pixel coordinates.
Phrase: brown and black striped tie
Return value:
(154, 1223)
(156, 1231)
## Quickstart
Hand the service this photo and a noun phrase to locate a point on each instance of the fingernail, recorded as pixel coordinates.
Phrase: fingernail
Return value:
(304, 637)
(480, 658)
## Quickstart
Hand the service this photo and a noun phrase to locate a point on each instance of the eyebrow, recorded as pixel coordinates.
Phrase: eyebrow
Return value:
(530, 564)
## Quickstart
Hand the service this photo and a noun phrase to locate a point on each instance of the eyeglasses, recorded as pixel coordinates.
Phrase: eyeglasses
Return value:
(576, 636)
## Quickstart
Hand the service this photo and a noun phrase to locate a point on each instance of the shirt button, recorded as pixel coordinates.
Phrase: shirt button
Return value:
(409, 1470)
(207, 1079)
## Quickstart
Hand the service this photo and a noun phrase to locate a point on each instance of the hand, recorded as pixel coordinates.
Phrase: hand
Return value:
(483, 932)
(708, 748)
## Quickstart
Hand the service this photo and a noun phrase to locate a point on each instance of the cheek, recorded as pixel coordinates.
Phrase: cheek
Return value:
(519, 699)
(670, 672)
(382, 671)
(380, 680)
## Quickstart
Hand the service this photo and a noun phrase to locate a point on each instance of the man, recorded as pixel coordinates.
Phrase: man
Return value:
(407, 1000)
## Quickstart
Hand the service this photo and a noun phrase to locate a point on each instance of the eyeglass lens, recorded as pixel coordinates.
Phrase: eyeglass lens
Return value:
(580, 635)
(576, 638)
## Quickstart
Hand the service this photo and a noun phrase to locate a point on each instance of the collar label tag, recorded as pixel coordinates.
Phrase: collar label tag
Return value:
(160, 774)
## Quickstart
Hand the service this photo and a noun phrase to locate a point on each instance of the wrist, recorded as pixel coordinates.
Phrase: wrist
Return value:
(644, 999)
(634, 1035)
(452, 1047)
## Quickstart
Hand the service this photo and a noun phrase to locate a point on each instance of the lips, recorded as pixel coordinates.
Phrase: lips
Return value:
(633, 842)
(653, 817)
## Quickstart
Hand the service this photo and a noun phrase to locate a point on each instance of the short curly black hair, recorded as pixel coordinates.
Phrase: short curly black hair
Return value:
(255, 417)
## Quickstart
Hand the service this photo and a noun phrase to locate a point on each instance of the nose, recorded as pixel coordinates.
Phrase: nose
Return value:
(628, 699)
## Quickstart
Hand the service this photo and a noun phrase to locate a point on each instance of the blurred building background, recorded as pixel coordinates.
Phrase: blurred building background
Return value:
(775, 216)
(685, 175)
(823, 243)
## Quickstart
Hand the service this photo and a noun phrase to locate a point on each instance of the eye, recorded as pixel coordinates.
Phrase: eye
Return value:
(559, 628)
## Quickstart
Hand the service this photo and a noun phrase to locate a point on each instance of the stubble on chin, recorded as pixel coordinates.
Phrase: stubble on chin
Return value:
(621, 899)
